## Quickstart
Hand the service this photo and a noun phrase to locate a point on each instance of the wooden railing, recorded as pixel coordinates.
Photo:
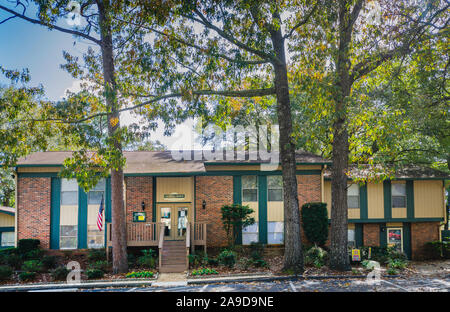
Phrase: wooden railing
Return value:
(188, 243)
(160, 243)
(142, 234)
(198, 234)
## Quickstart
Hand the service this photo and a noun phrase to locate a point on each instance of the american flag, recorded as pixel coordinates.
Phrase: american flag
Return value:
(100, 216)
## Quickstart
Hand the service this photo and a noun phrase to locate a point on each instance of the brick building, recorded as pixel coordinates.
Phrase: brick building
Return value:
(179, 199)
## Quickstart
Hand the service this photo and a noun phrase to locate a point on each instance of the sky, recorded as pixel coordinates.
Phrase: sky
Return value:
(25, 45)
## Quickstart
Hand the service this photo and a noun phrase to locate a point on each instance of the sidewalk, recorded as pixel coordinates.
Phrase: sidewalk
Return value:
(170, 280)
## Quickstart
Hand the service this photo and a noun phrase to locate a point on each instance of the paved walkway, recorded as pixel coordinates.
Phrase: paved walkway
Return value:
(171, 280)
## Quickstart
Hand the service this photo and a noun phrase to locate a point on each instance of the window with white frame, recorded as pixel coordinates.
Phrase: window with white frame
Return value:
(7, 239)
(96, 197)
(250, 234)
(274, 188)
(398, 195)
(250, 188)
(351, 237)
(275, 232)
(68, 215)
(353, 196)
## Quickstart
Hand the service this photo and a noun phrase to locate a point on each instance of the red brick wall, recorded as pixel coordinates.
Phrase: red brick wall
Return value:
(309, 189)
(138, 190)
(371, 234)
(421, 233)
(216, 191)
(33, 209)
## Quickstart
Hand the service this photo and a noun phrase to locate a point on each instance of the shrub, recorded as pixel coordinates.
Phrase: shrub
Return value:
(244, 263)
(315, 222)
(96, 255)
(49, 262)
(437, 250)
(59, 273)
(5, 272)
(256, 251)
(148, 259)
(27, 276)
(392, 271)
(227, 257)
(316, 256)
(26, 245)
(213, 262)
(194, 260)
(235, 217)
(142, 274)
(94, 273)
(397, 264)
(204, 271)
(32, 266)
(11, 259)
(131, 260)
(34, 254)
(102, 265)
(260, 263)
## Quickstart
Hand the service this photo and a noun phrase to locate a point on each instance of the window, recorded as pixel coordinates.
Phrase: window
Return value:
(351, 237)
(398, 195)
(96, 238)
(249, 188)
(274, 188)
(395, 238)
(353, 196)
(250, 234)
(275, 232)
(7, 239)
(69, 215)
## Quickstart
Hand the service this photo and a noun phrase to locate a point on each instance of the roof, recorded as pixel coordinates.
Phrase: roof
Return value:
(403, 172)
(171, 161)
(8, 210)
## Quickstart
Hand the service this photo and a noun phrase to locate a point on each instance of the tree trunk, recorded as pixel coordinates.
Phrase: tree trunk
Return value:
(293, 258)
(339, 259)
(119, 238)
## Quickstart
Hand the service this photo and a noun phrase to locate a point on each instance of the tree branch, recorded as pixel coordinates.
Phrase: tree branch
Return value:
(302, 22)
(51, 26)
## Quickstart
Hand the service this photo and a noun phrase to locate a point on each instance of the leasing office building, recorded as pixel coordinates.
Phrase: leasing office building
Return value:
(185, 197)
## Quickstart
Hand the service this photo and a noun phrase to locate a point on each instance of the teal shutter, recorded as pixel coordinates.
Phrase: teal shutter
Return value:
(82, 219)
(363, 202)
(55, 205)
(262, 209)
(410, 199)
(237, 199)
(407, 239)
(383, 235)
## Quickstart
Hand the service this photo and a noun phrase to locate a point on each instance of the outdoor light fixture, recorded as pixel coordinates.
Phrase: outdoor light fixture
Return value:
(204, 204)
(143, 205)
(383, 228)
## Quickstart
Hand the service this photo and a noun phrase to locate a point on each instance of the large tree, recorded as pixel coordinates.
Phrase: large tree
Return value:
(353, 42)
(238, 49)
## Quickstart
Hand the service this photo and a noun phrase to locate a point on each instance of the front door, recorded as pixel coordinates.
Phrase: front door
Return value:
(175, 218)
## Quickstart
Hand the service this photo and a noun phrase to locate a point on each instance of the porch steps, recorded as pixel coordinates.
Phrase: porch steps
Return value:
(173, 257)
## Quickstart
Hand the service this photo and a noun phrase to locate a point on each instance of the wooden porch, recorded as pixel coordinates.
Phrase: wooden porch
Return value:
(173, 257)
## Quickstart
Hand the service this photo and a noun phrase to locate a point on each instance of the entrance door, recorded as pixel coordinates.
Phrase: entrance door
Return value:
(175, 218)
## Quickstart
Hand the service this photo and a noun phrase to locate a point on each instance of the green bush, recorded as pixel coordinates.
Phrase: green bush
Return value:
(437, 250)
(34, 254)
(24, 246)
(11, 259)
(204, 271)
(100, 265)
(315, 222)
(194, 260)
(142, 274)
(34, 266)
(96, 255)
(397, 264)
(234, 218)
(27, 276)
(131, 260)
(94, 273)
(260, 263)
(49, 262)
(392, 271)
(59, 273)
(244, 263)
(148, 259)
(256, 251)
(213, 262)
(227, 258)
(5, 272)
(316, 256)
